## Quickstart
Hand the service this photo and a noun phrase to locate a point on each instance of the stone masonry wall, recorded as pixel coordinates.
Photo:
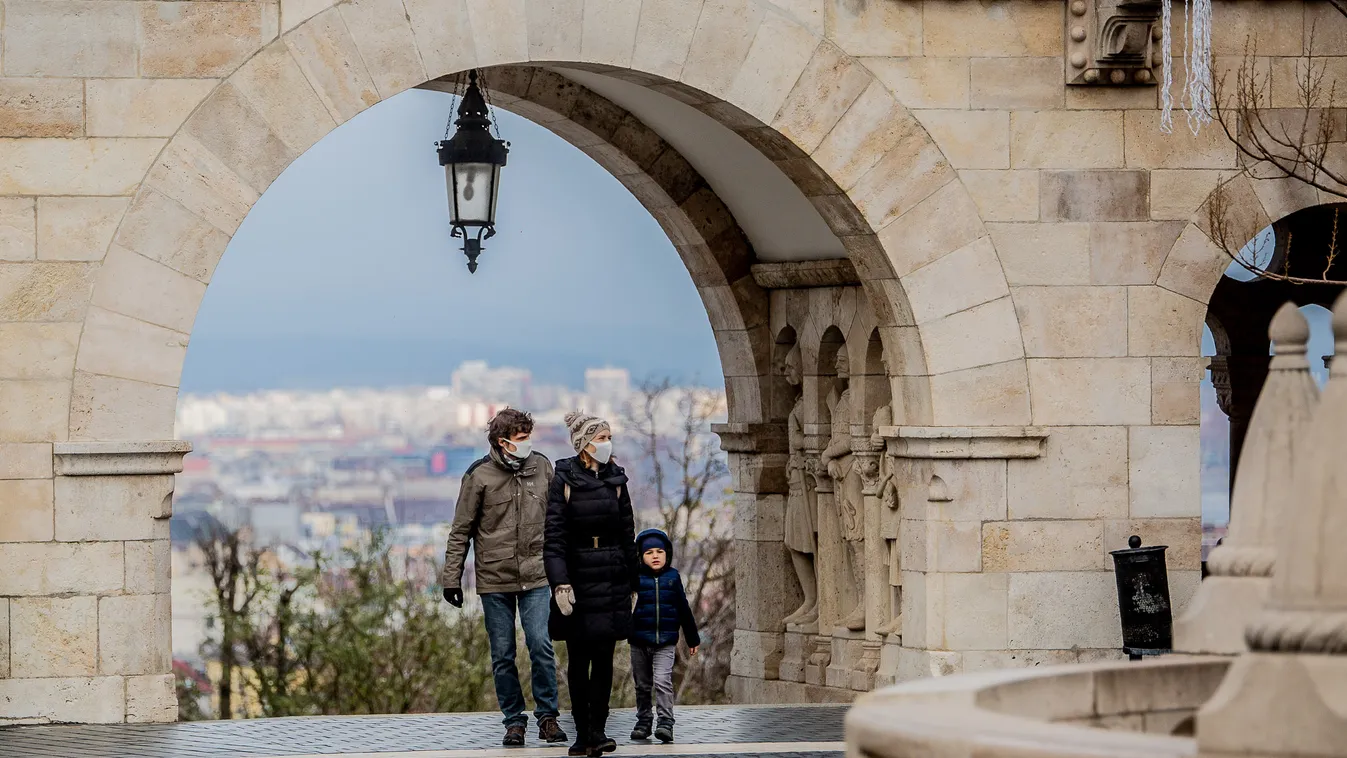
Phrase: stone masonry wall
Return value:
(1033, 256)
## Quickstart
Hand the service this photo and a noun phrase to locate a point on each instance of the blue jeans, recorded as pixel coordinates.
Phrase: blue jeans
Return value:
(499, 610)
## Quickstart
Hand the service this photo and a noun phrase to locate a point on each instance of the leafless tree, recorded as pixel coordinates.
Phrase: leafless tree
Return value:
(684, 474)
(1306, 144)
(233, 569)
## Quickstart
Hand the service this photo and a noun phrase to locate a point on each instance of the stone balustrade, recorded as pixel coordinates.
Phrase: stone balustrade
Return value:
(1115, 709)
(1282, 582)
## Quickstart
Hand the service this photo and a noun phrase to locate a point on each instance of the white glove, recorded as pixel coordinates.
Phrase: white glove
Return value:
(565, 597)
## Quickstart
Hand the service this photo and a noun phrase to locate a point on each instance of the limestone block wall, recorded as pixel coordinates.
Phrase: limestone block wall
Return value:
(1034, 258)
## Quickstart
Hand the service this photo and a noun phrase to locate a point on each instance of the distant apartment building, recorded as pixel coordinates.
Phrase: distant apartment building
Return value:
(476, 380)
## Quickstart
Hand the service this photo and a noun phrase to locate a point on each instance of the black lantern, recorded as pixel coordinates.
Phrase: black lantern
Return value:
(472, 159)
(1143, 599)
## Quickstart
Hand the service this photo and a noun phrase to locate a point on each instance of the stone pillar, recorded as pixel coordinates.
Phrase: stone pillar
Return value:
(1285, 696)
(876, 562)
(88, 598)
(757, 461)
(828, 564)
(1238, 380)
(952, 488)
(1241, 567)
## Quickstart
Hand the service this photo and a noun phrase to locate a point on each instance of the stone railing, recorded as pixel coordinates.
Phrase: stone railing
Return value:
(1116, 708)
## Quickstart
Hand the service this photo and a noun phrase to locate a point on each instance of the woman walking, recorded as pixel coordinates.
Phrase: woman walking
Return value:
(590, 556)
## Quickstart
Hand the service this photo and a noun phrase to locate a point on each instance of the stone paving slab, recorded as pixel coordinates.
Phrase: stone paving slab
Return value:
(342, 735)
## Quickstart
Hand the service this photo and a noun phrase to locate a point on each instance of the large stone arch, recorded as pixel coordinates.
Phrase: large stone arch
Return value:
(909, 227)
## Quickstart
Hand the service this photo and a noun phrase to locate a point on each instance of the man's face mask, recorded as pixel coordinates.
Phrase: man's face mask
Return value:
(522, 448)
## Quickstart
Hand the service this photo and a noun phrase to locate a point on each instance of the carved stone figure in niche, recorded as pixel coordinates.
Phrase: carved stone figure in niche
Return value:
(801, 500)
(890, 523)
(848, 490)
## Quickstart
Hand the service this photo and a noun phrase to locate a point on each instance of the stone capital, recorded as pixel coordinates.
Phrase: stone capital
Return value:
(840, 272)
(741, 437)
(963, 443)
(120, 458)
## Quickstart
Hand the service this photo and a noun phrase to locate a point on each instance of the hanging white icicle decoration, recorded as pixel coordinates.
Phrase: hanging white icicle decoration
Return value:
(1166, 68)
(1196, 99)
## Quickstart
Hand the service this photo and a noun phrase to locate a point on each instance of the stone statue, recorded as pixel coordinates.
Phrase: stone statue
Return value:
(890, 522)
(801, 524)
(848, 491)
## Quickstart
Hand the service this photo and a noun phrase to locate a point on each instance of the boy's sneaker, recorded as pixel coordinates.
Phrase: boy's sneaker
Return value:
(664, 733)
(641, 732)
(549, 731)
(514, 735)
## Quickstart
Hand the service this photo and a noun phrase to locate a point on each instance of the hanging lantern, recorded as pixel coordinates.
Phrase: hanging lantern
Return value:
(472, 159)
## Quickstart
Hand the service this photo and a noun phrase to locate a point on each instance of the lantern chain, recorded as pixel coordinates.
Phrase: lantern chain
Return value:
(490, 107)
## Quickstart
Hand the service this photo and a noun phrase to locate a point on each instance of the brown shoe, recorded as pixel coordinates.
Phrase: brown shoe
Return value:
(549, 731)
(514, 736)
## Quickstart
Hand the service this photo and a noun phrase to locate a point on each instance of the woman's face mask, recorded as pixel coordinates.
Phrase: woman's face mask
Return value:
(602, 451)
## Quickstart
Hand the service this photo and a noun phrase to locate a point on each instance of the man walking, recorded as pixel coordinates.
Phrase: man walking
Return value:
(501, 507)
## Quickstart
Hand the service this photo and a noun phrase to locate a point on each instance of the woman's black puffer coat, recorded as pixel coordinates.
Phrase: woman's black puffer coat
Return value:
(590, 544)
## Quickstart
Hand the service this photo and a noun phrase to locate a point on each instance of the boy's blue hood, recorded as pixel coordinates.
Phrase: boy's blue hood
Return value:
(668, 544)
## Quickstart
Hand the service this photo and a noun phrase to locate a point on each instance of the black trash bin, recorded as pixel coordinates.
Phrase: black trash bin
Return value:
(1143, 599)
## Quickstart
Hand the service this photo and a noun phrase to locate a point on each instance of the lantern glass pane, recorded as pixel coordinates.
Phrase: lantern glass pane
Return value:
(472, 186)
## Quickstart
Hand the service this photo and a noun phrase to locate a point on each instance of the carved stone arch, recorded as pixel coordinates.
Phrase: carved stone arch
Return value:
(835, 130)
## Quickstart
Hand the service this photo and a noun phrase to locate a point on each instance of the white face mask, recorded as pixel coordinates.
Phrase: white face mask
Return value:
(602, 451)
(522, 449)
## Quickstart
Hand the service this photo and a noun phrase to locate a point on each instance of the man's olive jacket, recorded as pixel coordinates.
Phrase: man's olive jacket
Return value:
(501, 512)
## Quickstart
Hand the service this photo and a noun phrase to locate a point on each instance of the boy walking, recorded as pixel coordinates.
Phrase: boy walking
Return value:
(501, 507)
(661, 611)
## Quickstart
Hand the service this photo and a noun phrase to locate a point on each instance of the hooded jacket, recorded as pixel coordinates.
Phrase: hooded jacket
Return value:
(661, 604)
(501, 511)
(591, 546)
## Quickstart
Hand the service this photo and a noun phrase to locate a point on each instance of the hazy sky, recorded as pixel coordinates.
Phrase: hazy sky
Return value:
(344, 272)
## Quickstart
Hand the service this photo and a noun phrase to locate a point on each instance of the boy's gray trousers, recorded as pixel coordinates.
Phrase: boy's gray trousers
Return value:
(652, 668)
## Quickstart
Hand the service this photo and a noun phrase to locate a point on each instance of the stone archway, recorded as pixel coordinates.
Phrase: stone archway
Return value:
(864, 164)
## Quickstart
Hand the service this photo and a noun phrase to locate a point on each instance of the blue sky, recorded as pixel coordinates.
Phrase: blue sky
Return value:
(344, 272)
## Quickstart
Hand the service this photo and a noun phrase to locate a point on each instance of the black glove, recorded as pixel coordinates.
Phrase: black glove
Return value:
(454, 596)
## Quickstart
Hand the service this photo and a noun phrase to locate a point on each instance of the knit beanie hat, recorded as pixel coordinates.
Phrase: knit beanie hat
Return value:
(651, 540)
(583, 428)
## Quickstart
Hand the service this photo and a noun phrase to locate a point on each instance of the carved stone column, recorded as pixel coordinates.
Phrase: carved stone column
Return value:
(1241, 567)
(1285, 696)
(757, 461)
(868, 456)
(827, 561)
(1238, 380)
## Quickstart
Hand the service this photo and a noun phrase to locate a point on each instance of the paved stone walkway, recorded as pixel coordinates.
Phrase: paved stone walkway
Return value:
(758, 731)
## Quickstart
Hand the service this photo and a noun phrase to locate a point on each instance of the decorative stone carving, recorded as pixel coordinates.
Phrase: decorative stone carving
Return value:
(801, 274)
(1241, 567)
(848, 491)
(801, 521)
(1284, 697)
(1112, 42)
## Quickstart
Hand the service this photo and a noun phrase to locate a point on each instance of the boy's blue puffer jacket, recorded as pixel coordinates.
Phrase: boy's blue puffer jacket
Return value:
(661, 605)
